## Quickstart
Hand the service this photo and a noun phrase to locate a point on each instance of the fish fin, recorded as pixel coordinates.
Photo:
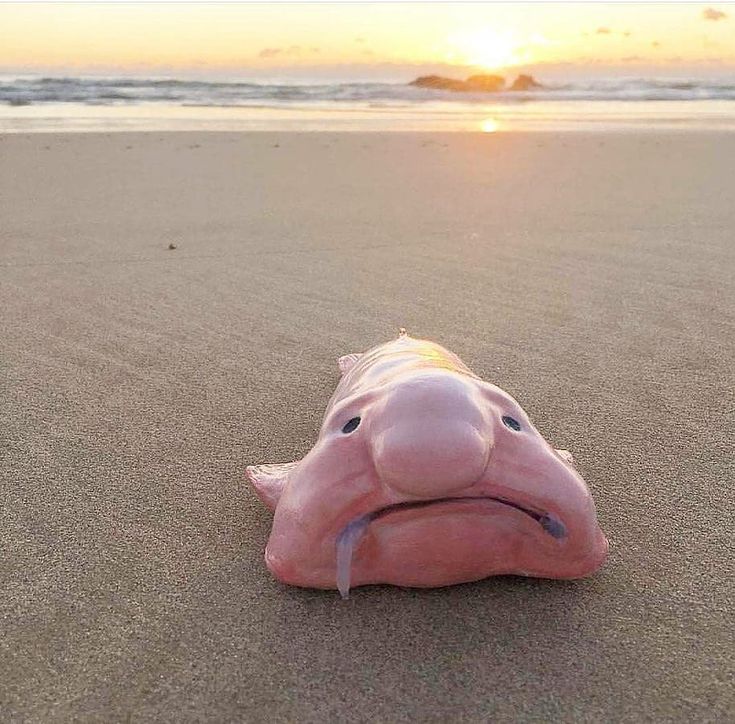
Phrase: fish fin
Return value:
(566, 456)
(269, 480)
(347, 362)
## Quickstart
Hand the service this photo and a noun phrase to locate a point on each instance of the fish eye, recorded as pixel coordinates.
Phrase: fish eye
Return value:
(351, 425)
(511, 422)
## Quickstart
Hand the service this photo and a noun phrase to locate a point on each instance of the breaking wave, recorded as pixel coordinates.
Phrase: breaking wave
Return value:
(99, 91)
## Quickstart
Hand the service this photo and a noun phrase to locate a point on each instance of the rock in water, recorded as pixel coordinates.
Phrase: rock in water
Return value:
(524, 83)
(437, 82)
(475, 83)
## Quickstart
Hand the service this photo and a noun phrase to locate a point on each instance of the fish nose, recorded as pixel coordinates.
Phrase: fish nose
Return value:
(431, 459)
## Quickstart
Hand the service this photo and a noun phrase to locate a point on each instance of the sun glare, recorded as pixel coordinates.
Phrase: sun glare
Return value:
(487, 48)
(489, 125)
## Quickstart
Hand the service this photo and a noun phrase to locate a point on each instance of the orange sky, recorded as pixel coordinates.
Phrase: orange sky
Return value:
(363, 38)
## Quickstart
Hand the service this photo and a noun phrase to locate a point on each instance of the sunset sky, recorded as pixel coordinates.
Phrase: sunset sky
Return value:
(366, 40)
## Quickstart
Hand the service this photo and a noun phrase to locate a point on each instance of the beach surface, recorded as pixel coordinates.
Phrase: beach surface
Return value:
(589, 275)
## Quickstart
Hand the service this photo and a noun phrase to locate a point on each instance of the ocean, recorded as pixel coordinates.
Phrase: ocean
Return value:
(34, 103)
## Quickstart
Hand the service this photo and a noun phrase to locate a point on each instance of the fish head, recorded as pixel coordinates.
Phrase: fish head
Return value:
(432, 478)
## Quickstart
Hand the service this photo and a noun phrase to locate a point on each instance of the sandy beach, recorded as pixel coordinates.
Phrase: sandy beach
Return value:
(589, 275)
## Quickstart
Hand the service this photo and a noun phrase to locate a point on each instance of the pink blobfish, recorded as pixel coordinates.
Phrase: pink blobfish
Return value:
(425, 475)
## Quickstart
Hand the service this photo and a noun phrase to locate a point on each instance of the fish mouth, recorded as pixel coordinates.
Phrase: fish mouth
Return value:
(552, 525)
(350, 535)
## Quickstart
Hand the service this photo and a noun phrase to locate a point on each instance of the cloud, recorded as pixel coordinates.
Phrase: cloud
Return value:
(714, 15)
(603, 31)
(655, 44)
(270, 52)
(627, 33)
(293, 51)
(360, 39)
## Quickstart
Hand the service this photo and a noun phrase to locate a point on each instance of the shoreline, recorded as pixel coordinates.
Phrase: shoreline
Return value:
(562, 116)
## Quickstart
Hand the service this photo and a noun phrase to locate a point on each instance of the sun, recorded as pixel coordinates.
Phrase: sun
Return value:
(487, 48)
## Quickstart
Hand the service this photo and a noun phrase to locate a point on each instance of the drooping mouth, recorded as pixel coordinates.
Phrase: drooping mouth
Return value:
(353, 531)
(553, 526)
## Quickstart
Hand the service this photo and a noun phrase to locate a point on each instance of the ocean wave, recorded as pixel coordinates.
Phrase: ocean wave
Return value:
(128, 91)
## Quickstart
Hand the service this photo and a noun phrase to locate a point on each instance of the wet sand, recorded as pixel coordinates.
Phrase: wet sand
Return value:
(589, 275)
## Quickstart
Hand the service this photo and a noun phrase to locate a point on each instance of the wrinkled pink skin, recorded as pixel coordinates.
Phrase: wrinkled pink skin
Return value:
(429, 429)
